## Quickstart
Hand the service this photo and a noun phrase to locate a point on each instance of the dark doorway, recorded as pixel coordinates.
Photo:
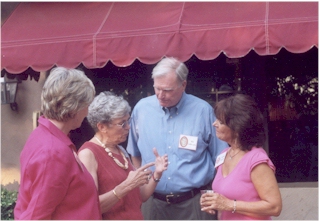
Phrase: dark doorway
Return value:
(284, 85)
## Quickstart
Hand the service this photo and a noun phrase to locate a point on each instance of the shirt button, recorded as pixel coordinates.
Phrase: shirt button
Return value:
(169, 178)
(169, 147)
(170, 132)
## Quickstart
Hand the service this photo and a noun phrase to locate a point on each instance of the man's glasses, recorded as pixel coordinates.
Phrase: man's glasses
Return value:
(124, 124)
(166, 90)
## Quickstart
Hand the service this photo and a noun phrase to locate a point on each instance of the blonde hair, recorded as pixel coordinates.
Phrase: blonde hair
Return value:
(65, 92)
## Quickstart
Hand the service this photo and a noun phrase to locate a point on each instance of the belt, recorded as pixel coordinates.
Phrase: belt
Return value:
(177, 198)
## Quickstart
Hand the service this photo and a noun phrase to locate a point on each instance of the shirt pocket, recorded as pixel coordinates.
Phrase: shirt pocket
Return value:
(190, 155)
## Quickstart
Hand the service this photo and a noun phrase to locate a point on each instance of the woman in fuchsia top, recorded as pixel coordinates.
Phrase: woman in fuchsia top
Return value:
(245, 186)
(54, 183)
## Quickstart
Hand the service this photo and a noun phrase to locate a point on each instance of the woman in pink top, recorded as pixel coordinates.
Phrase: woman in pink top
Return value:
(245, 186)
(54, 183)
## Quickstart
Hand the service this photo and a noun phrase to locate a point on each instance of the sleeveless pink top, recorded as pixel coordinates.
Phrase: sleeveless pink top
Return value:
(238, 185)
(111, 175)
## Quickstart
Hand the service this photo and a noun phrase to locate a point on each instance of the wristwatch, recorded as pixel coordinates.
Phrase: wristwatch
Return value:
(155, 179)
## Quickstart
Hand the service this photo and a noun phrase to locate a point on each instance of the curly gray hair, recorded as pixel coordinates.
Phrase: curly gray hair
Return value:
(106, 107)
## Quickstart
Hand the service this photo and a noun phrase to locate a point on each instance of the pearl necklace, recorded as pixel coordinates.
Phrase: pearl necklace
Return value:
(111, 155)
(230, 157)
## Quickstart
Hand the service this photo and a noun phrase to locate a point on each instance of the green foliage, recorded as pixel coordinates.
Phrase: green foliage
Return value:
(294, 79)
(8, 202)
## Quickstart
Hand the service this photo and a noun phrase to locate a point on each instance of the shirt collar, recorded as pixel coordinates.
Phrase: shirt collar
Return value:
(56, 132)
(179, 104)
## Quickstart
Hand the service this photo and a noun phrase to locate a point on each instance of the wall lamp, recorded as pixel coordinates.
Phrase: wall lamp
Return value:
(9, 91)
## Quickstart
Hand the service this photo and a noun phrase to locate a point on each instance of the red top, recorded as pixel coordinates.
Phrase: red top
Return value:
(54, 183)
(109, 176)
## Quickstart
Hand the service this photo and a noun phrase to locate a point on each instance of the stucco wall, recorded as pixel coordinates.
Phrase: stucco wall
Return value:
(300, 201)
(16, 126)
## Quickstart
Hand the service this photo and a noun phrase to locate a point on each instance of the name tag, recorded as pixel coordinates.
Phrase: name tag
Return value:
(188, 142)
(220, 159)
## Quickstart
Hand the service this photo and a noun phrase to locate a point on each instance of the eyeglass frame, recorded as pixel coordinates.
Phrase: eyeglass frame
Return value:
(124, 124)
(167, 90)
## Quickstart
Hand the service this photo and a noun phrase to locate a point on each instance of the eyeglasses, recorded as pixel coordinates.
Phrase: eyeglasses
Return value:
(166, 90)
(124, 124)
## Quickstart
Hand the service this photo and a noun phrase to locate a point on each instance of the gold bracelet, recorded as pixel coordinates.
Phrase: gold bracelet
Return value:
(114, 193)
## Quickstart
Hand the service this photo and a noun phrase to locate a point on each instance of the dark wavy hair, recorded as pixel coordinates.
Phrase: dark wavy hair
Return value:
(242, 115)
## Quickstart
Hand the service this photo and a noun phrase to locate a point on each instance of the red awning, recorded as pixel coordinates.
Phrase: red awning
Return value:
(40, 35)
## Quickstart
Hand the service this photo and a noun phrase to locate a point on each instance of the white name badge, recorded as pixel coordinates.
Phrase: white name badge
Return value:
(188, 142)
(220, 159)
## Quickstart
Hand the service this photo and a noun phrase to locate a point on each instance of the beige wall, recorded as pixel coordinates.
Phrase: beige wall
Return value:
(16, 126)
(300, 201)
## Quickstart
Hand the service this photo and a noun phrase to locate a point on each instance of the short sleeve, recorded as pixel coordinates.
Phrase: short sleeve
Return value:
(132, 144)
(260, 156)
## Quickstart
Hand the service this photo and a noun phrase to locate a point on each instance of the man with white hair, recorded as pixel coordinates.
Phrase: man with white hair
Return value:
(179, 125)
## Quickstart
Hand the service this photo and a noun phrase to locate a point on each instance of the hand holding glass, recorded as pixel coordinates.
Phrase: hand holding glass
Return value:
(206, 191)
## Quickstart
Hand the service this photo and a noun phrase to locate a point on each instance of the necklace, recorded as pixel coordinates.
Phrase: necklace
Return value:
(111, 155)
(230, 157)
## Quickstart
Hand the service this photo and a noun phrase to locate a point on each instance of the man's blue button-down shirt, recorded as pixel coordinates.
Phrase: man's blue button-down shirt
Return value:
(155, 126)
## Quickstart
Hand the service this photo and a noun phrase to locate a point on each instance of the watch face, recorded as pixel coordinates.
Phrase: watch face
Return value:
(155, 179)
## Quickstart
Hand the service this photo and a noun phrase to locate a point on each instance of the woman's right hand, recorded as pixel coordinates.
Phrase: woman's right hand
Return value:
(206, 203)
(140, 176)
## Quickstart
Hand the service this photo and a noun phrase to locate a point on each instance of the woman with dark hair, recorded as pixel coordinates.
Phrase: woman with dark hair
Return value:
(245, 186)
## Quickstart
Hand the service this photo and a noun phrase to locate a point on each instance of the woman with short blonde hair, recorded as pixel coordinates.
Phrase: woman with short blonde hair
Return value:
(54, 183)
